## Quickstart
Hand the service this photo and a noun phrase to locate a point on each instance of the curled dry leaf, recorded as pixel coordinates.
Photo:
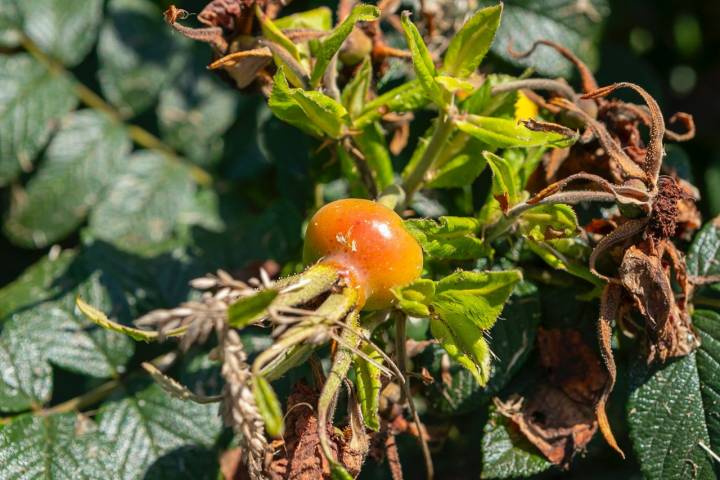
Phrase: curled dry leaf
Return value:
(559, 417)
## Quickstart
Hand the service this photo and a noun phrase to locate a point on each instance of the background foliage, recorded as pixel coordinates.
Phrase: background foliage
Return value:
(174, 174)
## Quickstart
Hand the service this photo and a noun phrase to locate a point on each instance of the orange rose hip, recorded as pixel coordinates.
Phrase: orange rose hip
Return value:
(369, 244)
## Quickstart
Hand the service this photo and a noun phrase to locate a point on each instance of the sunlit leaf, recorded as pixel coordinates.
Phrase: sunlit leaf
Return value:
(469, 45)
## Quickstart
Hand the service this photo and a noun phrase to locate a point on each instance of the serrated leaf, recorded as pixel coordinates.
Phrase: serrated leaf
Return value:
(55, 447)
(707, 324)
(80, 162)
(144, 423)
(269, 406)
(703, 258)
(471, 43)
(422, 62)
(284, 106)
(66, 30)
(354, 95)
(505, 182)
(332, 43)
(144, 204)
(458, 172)
(564, 22)
(316, 19)
(465, 343)
(671, 398)
(195, 111)
(25, 377)
(448, 238)
(369, 384)
(247, 310)
(414, 299)
(404, 98)
(138, 55)
(506, 453)
(546, 222)
(508, 133)
(32, 101)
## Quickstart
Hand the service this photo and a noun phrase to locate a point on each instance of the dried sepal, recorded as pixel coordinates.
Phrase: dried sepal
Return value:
(175, 388)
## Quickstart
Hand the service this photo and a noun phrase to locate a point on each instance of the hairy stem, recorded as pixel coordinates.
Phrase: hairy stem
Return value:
(139, 135)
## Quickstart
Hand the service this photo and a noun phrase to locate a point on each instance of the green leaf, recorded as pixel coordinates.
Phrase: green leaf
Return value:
(465, 343)
(415, 298)
(25, 377)
(269, 406)
(546, 222)
(138, 55)
(369, 384)
(355, 93)
(506, 453)
(505, 182)
(404, 98)
(422, 61)
(703, 258)
(507, 133)
(448, 238)
(10, 23)
(332, 43)
(195, 111)
(283, 105)
(471, 43)
(316, 19)
(65, 30)
(671, 398)
(371, 142)
(80, 162)
(144, 204)
(338, 472)
(458, 172)
(568, 254)
(144, 423)
(707, 324)
(32, 101)
(563, 22)
(250, 309)
(274, 34)
(55, 447)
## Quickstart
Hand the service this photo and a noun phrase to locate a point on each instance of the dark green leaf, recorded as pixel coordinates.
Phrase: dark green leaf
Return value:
(566, 22)
(55, 447)
(422, 61)
(250, 309)
(470, 44)
(332, 43)
(25, 377)
(506, 453)
(449, 238)
(704, 255)
(138, 55)
(144, 423)
(10, 23)
(707, 324)
(144, 203)
(369, 384)
(80, 162)
(269, 406)
(32, 101)
(66, 30)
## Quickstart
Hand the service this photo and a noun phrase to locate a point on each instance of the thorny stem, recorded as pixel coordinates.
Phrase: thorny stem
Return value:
(139, 135)
(416, 177)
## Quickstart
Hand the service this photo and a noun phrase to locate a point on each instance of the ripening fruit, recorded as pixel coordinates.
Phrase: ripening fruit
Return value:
(368, 242)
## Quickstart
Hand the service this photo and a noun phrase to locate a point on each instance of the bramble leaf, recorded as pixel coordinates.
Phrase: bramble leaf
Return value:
(471, 43)
(32, 102)
(25, 377)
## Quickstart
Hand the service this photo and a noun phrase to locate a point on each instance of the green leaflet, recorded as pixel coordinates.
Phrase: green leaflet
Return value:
(465, 343)
(308, 110)
(471, 43)
(274, 34)
(424, 66)
(494, 287)
(458, 172)
(568, 254)
(371, 142)
(332, 43)
(415, 298)
(505, 182)
(316, 19)
(368, 383)
(269, 406)
(249, 310)
(448, 238)
(547, 222)
(404, 98)
(507, 133)
(355, 92)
